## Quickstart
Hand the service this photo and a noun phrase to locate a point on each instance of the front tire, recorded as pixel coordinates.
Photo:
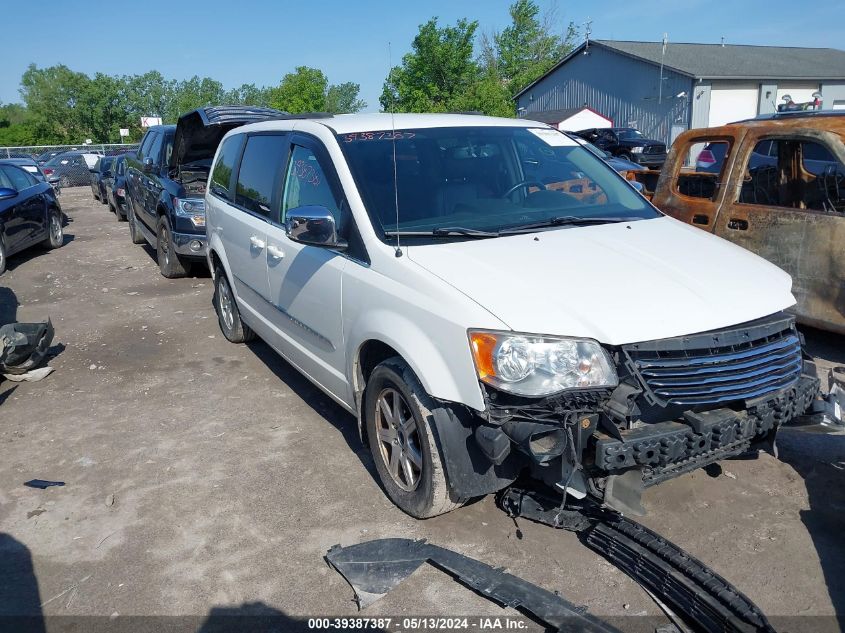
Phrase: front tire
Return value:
(168, 261)
(403, 439)
(228, 315)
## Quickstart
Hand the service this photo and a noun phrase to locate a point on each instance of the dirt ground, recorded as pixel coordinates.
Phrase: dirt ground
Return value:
(203, 476)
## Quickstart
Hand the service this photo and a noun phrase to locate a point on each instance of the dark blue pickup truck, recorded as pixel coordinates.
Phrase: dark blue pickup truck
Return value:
(166, 178)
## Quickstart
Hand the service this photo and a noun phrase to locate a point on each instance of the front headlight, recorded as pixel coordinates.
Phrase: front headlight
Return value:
(533, 365)
(191, 208)
(636, 150)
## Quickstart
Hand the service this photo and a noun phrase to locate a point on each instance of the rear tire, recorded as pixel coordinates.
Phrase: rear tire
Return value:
(169, 263)
(403, 439)
(2, 256)
(134, 232)
(55, 233)
(228, 315)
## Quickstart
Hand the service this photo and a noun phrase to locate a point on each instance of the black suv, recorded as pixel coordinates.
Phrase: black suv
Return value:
(627, 143)
(166, 178)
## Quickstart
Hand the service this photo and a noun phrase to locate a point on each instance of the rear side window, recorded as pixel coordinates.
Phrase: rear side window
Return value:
(145, 145)
(221, 174)
(155, 150)
(794, 173)
(261, 166)
(19, 178)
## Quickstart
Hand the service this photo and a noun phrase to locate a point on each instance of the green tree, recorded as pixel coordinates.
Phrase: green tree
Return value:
(303, 90)
(52, 96)
(343, 98)
(249, 94)
(193, 93)
(436, 72)
(308, 90)
(528, 47)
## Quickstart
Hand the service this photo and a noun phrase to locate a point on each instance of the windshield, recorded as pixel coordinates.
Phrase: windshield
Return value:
(484, 179)
(628, 134)
(59, 159)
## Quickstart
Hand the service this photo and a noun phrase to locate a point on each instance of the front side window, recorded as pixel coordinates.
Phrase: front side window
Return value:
(490, 179)
(146, 143)
(703, 180)
(794, 173)
(261, 167)
(306, 184)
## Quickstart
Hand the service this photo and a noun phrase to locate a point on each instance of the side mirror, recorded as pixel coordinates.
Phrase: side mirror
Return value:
(313, 225)
(148, 165)
(636, 184)
(6, 193)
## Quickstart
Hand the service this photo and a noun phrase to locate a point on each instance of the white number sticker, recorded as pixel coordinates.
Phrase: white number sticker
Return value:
(551, 137)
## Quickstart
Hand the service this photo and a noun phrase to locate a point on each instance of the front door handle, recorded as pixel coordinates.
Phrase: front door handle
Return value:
(738, 225)
(257, 242)
(275, 252)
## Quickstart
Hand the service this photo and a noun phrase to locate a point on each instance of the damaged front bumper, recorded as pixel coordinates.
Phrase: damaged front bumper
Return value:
(681, 404)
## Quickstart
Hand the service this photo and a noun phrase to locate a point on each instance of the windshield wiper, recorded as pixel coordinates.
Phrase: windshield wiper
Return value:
(443, 231)
(563, 220)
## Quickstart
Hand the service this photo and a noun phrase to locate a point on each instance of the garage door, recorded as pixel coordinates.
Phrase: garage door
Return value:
(801, 92)
(732, 102)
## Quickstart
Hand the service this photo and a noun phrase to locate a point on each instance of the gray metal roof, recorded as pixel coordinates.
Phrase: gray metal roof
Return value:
(731, 61)
(734, 61)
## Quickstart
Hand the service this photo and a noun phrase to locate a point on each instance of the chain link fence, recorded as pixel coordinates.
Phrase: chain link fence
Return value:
(67, 165)
(43, 153)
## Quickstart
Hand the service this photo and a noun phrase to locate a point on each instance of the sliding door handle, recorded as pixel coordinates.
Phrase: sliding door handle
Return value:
(257, 242)
(736, 224)
(274, 252)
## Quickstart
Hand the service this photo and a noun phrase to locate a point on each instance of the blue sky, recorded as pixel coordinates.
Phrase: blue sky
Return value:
(246, 41)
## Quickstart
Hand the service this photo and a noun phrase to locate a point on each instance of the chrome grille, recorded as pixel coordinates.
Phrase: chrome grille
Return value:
(716, 367)
(654, 149)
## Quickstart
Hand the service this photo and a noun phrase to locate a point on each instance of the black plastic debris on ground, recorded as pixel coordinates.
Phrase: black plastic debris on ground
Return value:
(693, 591)
(42, 483)
(375, 567)
(23, 346)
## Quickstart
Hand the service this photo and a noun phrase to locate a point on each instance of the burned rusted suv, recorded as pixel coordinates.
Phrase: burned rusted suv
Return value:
(776, 186)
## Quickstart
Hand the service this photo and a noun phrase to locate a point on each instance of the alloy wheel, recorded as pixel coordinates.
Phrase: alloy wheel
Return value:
(226, 304)
(398, 439)
(56, 234)
(164, 246)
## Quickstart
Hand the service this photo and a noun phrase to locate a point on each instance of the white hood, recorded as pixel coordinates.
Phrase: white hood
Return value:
(616, 283)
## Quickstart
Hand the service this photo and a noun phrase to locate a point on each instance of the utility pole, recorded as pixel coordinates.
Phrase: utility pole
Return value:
(662, 58)
(588, 30)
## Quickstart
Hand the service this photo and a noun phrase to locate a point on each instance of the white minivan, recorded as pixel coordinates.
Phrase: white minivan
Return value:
(492, 300)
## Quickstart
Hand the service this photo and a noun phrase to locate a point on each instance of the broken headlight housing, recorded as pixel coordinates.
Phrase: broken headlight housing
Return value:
(535, 365)
(191, 208)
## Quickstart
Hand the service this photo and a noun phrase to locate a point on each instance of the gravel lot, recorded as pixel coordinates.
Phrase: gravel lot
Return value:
(203, 475)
